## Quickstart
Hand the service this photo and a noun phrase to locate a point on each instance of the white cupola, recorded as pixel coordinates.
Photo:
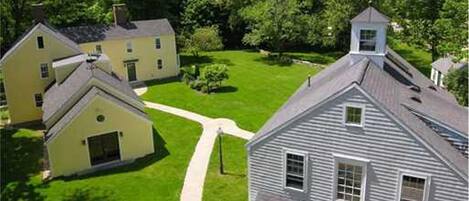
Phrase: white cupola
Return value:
(368, 36)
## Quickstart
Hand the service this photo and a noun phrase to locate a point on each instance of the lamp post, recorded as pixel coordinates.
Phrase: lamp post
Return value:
(220, 133)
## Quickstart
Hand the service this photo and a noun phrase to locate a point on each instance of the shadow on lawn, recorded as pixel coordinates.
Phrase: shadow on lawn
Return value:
(273, 61)
(225, 89)
(21, 159)
(160, 153)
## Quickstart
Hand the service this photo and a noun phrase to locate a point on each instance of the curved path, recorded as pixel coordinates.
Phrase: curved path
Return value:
(195, 174)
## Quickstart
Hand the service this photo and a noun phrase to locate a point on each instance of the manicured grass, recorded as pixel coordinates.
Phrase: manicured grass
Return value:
(418, 57)
(231, 186)
(255, 90)
(157, 177)
(324, 58)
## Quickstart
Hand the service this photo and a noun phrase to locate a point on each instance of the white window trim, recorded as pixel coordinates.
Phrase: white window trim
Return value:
(286, 151)
(127, 47)
(159, 38)
(40, 71)
(35, 102)
(100, 47)
(362, 116)
(162, 64)
(427, 177)
(359, 40)
(352, 160)
(43, 43)
(107, 163)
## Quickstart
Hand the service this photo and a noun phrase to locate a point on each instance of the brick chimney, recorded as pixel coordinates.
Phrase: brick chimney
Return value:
(38, 13)
(120, 14)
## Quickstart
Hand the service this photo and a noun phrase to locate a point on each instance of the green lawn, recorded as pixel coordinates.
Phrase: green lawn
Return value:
(231, 186)
(157, 177)
(418, 57)
(256, 89)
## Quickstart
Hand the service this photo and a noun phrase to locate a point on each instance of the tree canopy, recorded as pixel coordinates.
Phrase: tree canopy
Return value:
(439, 26)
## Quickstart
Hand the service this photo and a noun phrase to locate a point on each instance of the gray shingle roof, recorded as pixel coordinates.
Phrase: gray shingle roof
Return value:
(82, 103)
(390, 86)
(444, 64)
(58, 95)
(370, 15)
(101, 32)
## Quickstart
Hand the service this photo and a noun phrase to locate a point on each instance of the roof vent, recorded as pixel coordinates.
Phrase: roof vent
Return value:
(432, 87)
(416, 99)
(414, 88)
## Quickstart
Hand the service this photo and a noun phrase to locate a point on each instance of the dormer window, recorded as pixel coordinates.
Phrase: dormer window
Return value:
(40, 42)
(367, 40)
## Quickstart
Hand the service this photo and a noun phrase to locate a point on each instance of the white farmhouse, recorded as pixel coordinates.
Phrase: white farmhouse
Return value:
(369, 127)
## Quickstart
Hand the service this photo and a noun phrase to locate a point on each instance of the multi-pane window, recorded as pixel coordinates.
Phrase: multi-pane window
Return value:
(40, 42)
(103, 148)
(367, 40)
(353, 115)
(44, 70)
(38, 100)
(157, 43)
(99, 49)
(412, 188)
(294, 175)
(159, 63)
(349, 182)
(129, 47)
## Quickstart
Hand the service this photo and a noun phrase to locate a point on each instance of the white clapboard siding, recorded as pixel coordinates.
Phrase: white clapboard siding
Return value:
(386, 144)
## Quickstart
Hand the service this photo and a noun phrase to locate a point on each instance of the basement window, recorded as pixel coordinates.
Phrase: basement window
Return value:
(40, 42)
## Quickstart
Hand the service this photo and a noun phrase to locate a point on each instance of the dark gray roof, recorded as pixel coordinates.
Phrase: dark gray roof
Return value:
(391, 87)
(59, 94)
(82, 103)
(444, 64)
(101, 32)
(370, 15)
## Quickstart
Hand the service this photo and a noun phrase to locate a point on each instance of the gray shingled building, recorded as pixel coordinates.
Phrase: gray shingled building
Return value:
(368, 127)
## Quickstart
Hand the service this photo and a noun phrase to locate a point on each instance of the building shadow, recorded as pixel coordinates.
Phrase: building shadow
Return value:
(21, 157)
(274, 61)
(160, 152)
(225, 89)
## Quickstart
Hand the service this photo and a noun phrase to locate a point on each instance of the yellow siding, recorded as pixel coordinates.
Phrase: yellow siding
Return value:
(144, 50)
(67, 154)
(22, 75)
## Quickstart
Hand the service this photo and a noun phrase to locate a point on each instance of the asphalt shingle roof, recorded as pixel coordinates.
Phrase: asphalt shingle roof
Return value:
(370, 15)
(392, 88)
(59, 94)
(101, 32)
(444, 64)
(82, 103)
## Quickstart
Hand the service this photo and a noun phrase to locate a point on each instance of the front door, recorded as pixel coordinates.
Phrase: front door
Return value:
(131, 73)
(104, 148)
